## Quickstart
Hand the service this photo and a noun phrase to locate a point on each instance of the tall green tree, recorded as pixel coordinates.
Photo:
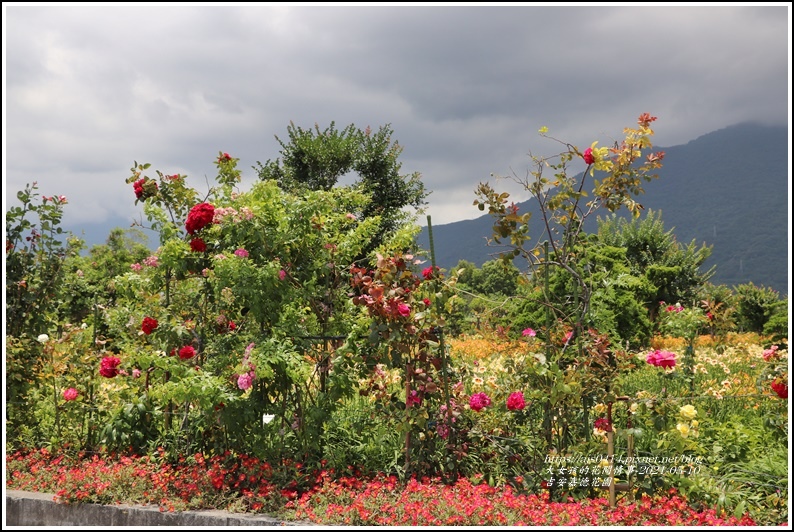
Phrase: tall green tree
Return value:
(652, 252)
(314, 159)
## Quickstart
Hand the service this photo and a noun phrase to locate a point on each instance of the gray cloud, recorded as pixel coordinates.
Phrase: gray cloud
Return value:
(90, 89)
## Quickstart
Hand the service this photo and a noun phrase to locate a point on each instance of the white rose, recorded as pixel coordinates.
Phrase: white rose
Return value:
(43, 338)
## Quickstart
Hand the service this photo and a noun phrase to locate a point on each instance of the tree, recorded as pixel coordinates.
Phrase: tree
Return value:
(672, 269)
(312, 159)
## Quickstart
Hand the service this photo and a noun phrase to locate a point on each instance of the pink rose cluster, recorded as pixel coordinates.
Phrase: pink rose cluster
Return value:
(770, 353)
(479, 400)
(661, 359)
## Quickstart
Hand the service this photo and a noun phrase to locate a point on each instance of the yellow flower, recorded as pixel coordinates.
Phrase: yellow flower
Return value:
(683, 428)
(633, 408)
(688, 412)
(695, 424)
(600, 408)
(603, 463)
(477, 381)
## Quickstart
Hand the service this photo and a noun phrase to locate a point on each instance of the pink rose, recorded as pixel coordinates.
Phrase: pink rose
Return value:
(529, 332)
(187, 352)
(661, 359)
(241, 252)
(516, 401)
(479, 400)
(245, 380)
(413, 399)
(588, 156)
(70, 394)
(282, 274)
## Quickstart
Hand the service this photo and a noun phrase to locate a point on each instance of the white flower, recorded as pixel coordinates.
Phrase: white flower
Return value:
(267, 418)
(43, 338)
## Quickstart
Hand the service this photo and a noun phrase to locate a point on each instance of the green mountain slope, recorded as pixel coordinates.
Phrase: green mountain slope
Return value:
(729, 188)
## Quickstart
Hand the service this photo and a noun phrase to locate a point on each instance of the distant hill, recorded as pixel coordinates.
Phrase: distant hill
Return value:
(728, 188)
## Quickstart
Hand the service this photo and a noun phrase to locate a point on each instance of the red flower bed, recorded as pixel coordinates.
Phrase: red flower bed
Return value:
(237, 481)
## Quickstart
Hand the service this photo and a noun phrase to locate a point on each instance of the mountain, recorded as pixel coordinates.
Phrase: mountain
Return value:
(729, 189)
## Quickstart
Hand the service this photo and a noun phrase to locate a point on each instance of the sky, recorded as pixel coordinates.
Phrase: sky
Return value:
(89, 89)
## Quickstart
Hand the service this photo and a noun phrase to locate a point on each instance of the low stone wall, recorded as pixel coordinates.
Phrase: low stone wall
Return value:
(25, 508)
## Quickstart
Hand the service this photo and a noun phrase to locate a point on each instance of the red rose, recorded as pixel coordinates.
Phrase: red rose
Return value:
(187, 352)
(138, 188)
(199, 217)
(588, 156)
(198, 245)
(781, 389)
(144, 188)
(109, 367)
(148, 325)
(428, 272)
(603, 423)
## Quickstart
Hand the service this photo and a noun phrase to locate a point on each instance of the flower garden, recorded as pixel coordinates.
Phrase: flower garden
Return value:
(289, 350)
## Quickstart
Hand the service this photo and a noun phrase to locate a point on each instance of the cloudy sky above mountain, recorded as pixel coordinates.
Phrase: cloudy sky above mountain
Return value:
(88, 89)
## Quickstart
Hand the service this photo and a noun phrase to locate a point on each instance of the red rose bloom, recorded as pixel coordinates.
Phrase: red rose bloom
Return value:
(109, 367)
(603, 423)
(781, 389)
(199, 217)
(187, 352)
(148, 325)
(198, 245)
(427, 273)
(588, 156)
(138, 188)
(144, 188)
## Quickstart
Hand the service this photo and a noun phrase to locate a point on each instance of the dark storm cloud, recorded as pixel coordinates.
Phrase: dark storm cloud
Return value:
(90, 89)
